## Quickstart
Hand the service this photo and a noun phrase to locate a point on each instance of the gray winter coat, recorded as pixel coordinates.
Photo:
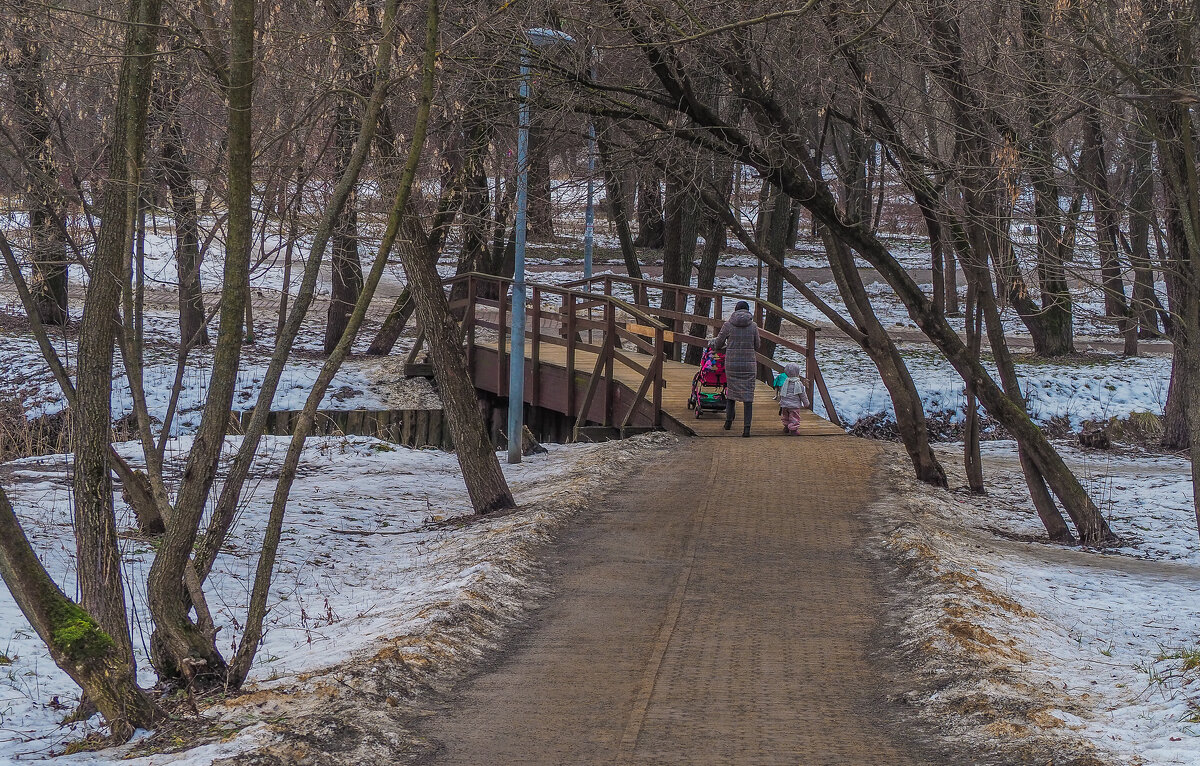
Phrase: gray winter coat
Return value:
(739, 339)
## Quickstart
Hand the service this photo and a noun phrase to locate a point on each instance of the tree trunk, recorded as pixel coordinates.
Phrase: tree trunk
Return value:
(679, 246)
(851, 154)
(950, 273)
(77, 644)
(972, 462)
(97, 555)
(906, 400)
(1010, 413)
(540, 210)
(775, 228)
(291, 214)
(1169, 50)
(1145, 302)
(503, 249)
(651, 227)
(48, 245)
(1035, 481)
(679, 242)
(614, 188)
(476, 207)
(706, 277)
(720, 183)
(179, 648)
(393, 326)
(1182, 301)
(1104, 210)
(480, 468)
(346, 268)
(1055, 336)
(397, 319)
(938, 275)
(177, 172)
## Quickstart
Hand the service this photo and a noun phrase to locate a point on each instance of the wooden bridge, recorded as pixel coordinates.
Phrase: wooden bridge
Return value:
(618, 355)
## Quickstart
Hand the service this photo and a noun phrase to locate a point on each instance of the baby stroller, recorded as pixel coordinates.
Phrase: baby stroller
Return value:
(708, 386)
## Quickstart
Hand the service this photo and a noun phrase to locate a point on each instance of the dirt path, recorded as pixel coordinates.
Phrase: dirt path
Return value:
(711, 612)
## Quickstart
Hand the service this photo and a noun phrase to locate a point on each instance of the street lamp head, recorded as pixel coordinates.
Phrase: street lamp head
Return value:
(542, 37)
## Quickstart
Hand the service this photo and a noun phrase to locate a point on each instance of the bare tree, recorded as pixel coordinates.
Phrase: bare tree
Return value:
(21, 57)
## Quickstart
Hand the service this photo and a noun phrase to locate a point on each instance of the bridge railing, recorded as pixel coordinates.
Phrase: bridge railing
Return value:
(617, 332)
(694, 315)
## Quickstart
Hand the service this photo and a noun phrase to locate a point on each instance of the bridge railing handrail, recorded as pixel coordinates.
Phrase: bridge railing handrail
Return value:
(696, 291)
(566, 288)
(814, 380)
(649, 338)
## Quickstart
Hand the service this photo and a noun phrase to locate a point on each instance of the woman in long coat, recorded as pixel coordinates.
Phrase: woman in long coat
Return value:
(739, 338)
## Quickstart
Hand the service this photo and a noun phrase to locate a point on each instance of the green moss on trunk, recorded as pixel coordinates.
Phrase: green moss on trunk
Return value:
(76, 634)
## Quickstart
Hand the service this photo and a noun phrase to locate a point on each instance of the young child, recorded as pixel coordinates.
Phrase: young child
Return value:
(792, 398)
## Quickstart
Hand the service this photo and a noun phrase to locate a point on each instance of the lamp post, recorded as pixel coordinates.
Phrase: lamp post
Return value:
(589, 220)
(538, 38)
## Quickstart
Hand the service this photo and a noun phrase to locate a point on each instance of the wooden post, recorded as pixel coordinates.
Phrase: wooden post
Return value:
(469, 318)
(436, 418)
(502, 358)
(681, 308)
(658, 376)
(610, 331)
(810, 365)
(535, 386)
(593, 383)
(421, 433)
(569, 304)
(406, 428)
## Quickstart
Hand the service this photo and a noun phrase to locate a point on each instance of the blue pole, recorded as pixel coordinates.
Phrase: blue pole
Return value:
(590, 217)
(589, 226)
(516, 359)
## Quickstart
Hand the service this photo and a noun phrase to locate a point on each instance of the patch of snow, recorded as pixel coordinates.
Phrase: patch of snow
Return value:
(1092, 387)
(1066, 645)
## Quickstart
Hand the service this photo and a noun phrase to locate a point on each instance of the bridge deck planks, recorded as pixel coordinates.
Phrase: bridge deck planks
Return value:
(679, 388)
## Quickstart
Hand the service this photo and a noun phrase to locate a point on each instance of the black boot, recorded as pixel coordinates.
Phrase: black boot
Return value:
(748, 410)
(728, 414)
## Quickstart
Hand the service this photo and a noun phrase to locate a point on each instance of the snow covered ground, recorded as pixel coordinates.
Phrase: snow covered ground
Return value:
(359, 564)
(363, 382)
(1095, 386)
(1096, 652)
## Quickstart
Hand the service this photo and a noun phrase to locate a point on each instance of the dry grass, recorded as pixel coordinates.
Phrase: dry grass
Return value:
(1143, 428)
(22, 437)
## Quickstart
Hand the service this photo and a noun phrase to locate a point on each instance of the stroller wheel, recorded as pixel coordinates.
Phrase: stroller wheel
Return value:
(698, 412)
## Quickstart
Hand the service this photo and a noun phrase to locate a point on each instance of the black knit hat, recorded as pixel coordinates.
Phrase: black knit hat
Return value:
(742, 306)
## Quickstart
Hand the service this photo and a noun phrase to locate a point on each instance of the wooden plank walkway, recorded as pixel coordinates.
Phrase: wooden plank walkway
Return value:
(678, 377)
(719, 607)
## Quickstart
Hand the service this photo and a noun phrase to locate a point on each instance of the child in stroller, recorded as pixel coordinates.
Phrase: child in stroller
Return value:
(708, 386)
